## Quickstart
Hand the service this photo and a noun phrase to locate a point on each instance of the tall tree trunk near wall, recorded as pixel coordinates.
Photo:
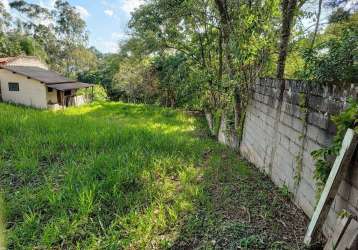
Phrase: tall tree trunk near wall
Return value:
(220, 73)
(288, 12)
(317, 23)
(210, 120)
(318, 17)
(226, 134)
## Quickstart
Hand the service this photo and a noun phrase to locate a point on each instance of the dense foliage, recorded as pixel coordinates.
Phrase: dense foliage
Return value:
(334, 55)
(206, 54)
(324, 156)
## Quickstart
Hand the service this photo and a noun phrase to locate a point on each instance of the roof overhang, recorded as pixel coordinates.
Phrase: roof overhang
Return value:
(39, 74)
(69, 86)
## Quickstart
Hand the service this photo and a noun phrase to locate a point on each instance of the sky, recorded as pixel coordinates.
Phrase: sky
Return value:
(106, 19)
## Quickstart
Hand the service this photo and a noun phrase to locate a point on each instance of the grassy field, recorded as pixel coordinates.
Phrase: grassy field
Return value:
(120, 176)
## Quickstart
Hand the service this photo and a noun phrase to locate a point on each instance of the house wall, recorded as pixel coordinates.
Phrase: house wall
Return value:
(31, 92)
(283, 127)
(27, 61)
(52, 96)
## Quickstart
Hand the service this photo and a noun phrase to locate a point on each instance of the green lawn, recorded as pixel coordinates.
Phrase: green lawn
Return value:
(120, 176)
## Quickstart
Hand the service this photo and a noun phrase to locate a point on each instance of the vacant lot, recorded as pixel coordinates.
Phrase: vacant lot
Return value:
(114, 176)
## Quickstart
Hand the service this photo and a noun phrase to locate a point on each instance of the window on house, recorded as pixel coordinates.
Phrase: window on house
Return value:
(14, 86)
(67, 92)
(49, 89)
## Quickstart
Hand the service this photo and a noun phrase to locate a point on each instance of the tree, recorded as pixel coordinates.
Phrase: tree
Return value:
(288, 10)
(334, 56)
(134, 81)
(70, 28)
(224, 42)
(5, 18)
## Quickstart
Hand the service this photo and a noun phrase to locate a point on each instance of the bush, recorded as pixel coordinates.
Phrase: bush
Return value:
(99, 93)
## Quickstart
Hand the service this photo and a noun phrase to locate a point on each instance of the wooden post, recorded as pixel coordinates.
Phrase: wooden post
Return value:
(339, 168)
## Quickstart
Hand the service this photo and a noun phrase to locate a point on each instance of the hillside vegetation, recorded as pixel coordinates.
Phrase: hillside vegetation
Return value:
(115, 176)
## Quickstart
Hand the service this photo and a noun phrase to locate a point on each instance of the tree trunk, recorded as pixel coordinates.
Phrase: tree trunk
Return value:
(220, 73)
(210, 120)
(317, 24)
(288, 12)
(226, 32)
(227, 134)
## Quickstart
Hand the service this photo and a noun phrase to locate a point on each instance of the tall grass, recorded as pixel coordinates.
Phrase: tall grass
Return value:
(106, 175)
(121, 176)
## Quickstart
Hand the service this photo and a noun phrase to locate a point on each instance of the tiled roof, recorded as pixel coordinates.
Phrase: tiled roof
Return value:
(71, 85)
(36, 73)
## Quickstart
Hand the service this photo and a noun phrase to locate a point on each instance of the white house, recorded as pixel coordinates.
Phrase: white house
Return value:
(27, 81)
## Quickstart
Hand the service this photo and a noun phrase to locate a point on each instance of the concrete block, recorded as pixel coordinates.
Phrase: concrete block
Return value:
(308, 160)
(318, 90)
(285, 130)
(329, 224)
(272, 111)
(338, 230)
(277, 178)
(352, 210)
(270, 121)
(353, 177)
(283, 152)
(317, 103)
(308, 191)
(294, 148)
(333, 106)
(267, 99)
(298, 86)
(295, 136)
(339, 204)
(345, 190)
(350, 237)
(307, 175)
(272, 101)
(303, 203)
(284, 140)
(286, 119)
(312, 132)
(317, 119)
(293, 110)
(324, 138)
(257, 96)
(353, 196)
(270, 131)
(297, 124)
(311, 146)
(258, 103)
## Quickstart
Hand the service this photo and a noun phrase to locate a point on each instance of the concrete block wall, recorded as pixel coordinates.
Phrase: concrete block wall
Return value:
(286, 120)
